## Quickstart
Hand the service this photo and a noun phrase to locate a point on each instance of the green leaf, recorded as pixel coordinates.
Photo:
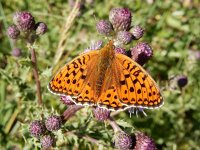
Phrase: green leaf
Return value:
(124, 124)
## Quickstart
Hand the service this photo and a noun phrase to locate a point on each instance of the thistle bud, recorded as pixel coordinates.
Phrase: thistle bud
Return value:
(24, 21)
(101, 114)
(37, 128)
(47, 141)
(182, 80)
(67, 100)
(16, 52)
(141, 53)
(137, 32)
(53, 123)
(123, 38)
(123, 141)
(120, 50)
(94, 46)
(13, 32)
(104, 27)
(40, 28)
(120, 19)
(144, 142)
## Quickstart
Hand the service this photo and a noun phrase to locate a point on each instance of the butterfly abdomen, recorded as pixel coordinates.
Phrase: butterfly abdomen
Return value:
(106, 57)
(101, 76)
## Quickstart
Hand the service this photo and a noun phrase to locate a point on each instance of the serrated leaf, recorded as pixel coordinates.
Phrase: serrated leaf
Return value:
(124, 124)
(47, 72)
(25, 62)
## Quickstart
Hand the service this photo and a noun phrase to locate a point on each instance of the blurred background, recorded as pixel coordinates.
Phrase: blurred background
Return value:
(172, 28)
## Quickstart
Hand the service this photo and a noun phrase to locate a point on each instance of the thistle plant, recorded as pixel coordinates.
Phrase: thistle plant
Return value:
(124, 33)
(167, 31)
(24, 28)
(118, 27)
(58, 122)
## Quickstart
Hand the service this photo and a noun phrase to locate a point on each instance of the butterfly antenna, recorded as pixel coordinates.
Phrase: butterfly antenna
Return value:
(136, 112)
(142, 110)
(131, 111)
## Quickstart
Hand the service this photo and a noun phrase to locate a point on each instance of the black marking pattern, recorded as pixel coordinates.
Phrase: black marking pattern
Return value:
(144, 88)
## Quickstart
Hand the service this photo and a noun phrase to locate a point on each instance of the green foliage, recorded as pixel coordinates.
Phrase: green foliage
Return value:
(171, 28)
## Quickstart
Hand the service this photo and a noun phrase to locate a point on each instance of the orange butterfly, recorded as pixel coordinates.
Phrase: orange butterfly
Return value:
(106, 79)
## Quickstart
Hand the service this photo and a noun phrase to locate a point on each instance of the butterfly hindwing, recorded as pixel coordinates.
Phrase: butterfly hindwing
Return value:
(109, 97)
(142, 89)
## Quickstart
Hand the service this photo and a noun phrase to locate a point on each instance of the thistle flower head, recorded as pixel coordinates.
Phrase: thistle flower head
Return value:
(120, 50)
(123, 38)
(144, 142)
(40, 28)
(13, 32)
(53, 123)
(24, 21)
(94, 45)
(120, 19)
(47, 141)
(182, 80)
(123, 141)
(104, 27)
(137, 32)
(101, 114)
(141, 53)
(67, 100)
(16, 52)
(37, 128)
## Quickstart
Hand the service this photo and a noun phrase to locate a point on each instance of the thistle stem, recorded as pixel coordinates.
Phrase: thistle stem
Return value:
(36, 75)
(70, 111)
(88, 138)
(114, 125)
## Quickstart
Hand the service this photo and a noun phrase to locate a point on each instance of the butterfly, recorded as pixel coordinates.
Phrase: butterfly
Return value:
(106, 79)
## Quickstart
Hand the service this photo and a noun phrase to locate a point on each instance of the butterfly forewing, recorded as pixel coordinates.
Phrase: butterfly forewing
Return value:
(74, 78)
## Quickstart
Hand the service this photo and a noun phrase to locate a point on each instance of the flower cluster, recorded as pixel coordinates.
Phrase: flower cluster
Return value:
(137, 141)
(43, 130)
(24, 27)
(119, 27)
